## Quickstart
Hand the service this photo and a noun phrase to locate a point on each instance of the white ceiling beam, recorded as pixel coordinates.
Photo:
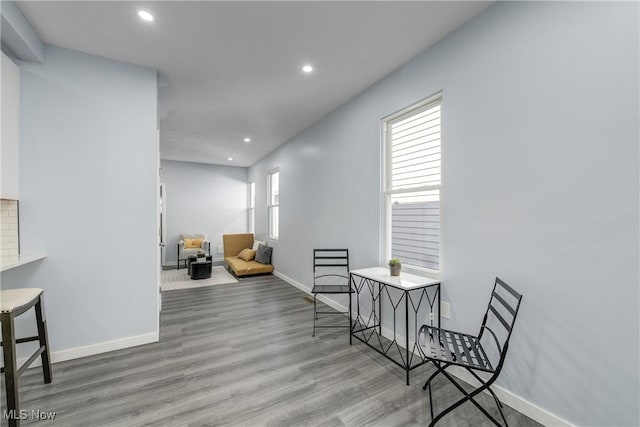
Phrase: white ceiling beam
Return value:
(18, 36)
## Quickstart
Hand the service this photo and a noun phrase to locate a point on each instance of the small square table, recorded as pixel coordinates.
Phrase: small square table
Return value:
(201, 270)
(193, 258)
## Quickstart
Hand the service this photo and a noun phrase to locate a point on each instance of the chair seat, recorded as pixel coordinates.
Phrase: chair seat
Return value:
(331, 289)
(453, 347)
(13, 299)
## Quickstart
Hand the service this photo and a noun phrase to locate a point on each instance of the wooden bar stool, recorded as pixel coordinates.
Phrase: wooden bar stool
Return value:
(14, 302)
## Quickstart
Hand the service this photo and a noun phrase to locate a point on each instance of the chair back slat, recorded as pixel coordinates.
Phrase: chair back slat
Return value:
(506, 325)
(508, 288)
(504, 304)
(330, 258)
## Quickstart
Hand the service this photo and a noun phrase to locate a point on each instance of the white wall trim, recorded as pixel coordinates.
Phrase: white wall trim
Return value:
(303, 288)
(516, 402)
(521, 405)
(99, 348)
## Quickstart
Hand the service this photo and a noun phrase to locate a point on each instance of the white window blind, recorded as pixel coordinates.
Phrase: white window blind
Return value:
(413, 171)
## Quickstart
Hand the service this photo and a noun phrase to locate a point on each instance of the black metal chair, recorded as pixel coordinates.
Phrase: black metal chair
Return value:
(445, 348)
(330, 266)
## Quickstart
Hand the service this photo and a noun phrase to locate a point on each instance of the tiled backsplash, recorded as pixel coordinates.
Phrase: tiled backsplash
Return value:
(9, 228)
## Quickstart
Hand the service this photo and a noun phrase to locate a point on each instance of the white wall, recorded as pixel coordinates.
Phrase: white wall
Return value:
(540, 187)
(88, 185)
(203, 198)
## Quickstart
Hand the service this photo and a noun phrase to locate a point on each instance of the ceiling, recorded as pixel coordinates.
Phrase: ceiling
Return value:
(233, 69)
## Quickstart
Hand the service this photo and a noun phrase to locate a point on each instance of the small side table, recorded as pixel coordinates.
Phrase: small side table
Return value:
(200, 270)
(193, 259)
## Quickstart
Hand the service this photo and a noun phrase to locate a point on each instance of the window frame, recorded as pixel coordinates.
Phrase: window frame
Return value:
(271, 206)
(387, 192)
(251, 207)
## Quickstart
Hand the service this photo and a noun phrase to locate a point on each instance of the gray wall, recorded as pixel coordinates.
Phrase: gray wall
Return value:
(88, 185)
(540, 187)
(203, 198)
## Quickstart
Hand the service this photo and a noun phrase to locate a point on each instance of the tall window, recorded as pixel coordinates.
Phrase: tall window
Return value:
(273, 204)
(252, 207)
(412, 185)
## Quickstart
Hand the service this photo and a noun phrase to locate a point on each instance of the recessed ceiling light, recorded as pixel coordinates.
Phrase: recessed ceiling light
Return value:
(230, 158)
(145, 16)
(247, 140)
(307, 68)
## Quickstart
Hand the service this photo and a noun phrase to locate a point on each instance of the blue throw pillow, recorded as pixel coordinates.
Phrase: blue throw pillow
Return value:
(263, 255)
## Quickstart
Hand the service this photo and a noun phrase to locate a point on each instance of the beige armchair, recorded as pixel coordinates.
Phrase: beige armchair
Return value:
(191, 244)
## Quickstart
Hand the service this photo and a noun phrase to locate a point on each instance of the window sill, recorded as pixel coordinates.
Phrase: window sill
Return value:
(424, 272)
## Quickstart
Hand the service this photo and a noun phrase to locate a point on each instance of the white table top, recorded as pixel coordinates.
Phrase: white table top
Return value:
(7, 263)
(405, 281)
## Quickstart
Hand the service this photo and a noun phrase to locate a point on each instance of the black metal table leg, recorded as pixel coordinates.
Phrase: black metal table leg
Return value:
(406, 331)
(350, 338)
(439, 317)
(351, 281)
(379, 308)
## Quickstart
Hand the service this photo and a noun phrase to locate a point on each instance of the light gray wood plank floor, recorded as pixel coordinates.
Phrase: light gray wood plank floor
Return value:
(242, 354)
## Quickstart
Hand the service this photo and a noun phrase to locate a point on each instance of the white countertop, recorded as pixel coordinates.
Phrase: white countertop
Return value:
(7, 263)
(404, 281)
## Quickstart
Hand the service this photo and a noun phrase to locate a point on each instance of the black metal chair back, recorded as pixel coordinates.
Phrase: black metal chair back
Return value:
(330, 276)
(500, 318)
(330, 263)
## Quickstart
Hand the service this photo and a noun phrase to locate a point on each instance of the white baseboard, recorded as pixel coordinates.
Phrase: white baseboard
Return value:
(521, 405)
(516, 402)
(93, 349)
(303, 288)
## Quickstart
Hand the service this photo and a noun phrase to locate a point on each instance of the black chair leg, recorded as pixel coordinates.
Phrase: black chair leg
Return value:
(315, 315)
(467, 397)
(10, 368)
(428, 384)
(43, 338)
(439, 370)
(498, 403)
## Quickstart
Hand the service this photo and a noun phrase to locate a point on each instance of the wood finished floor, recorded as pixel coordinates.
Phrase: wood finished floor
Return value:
(242, 354)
